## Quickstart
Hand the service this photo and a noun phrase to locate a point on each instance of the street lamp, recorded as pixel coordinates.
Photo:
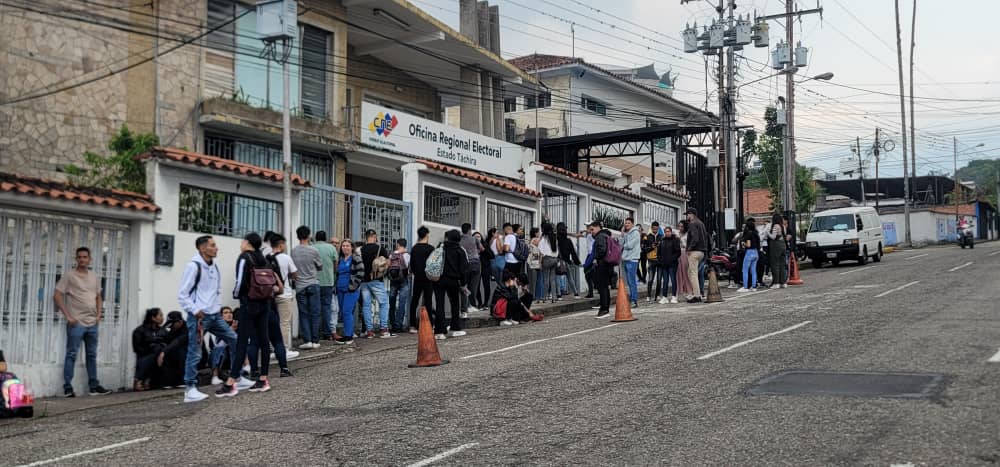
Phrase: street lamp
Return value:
(787, 71)
(822, 77)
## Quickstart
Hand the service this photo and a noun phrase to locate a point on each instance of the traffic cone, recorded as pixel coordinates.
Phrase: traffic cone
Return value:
(793, 278)
(714, 293)
(623, 307)
(427, 349)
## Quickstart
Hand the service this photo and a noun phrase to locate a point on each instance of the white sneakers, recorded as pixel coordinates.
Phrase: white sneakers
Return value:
(742, 289)
(664, 301)
(673, 299)
(472, 309)
(290, 354)
(440, 337)
(457, 334)
(507, 322)
(216, 381)
(782, 286)
(243, 384)
(194, 395)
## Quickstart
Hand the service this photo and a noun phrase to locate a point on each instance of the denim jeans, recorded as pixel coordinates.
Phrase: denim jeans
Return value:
(218, 355)
(702, 271)
(74, 335)
(538, 284)
(374, 290)
(309, 312)
(214, 324)
(347, 301)
(399, 303)
(631, 280)
(750, 269)
(328, 311)
(669, 274)
(497, 267)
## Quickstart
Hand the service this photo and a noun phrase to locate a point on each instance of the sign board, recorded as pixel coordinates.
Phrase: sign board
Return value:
(730, 219)
(403, 133)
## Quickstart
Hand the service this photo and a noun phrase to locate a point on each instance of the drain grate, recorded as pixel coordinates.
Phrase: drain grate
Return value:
(850, 384)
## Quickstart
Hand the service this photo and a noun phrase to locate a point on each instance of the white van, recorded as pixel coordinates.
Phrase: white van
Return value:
(845, 234)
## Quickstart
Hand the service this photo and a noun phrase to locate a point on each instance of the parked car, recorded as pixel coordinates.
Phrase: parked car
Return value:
(845, 234)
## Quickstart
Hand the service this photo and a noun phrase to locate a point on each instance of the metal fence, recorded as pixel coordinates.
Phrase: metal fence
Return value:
(561, 207)
(497, 215)
(447, 208)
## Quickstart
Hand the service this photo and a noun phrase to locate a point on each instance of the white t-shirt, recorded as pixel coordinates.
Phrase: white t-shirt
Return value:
(546, 248)
(287, 267)
(511, 242)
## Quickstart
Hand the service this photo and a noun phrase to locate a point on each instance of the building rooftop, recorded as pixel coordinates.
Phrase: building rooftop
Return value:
(218, 163)
(476, 176)
(28, 186)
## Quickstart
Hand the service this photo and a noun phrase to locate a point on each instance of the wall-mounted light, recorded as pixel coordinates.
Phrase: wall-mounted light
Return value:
(392, 19)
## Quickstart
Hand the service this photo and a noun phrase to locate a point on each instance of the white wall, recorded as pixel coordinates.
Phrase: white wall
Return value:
(924, 225)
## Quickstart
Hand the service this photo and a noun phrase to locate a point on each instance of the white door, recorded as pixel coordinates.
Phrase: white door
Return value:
(35, 250)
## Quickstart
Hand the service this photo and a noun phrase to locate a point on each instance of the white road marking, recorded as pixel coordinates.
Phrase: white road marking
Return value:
(956, 268)
(524, 344)
(450, 452)
(994, 253)
(855, 270)
(867, 286)
(750, 341)
(88, 452)
(887, 292)
(908, 464)
(744, 295)
(995, 358)
(917, 256)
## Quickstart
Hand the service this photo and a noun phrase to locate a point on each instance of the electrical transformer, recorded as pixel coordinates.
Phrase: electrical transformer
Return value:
(716, 35)
(690, 36)
(801, 56)
(744, 31)
(760, 34)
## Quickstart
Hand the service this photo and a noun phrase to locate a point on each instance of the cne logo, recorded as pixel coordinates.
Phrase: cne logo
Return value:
(383, 124)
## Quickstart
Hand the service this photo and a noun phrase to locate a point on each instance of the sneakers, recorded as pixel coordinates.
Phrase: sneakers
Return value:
(577, 297)
(742, 289)
(694, 300)
(370, 335)
(472, 309)
(285, 373)
(99, 391)
(506, 322)
(243, 383)
(306, 346)
(464, 315)
(216, 381)
(413, 330)
(194, 395)
(344, 341)
(385, 334)
(664, 301)
(457, 334)
(440, 337)
(227, 391)
(290, 354)
(69, 393)
(783, 286)
(603, 314)
(673, 299)
(260, 386)
(650, 299)
(635, 304)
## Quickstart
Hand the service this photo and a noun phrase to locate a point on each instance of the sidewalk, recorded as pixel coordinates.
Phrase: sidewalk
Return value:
(55, 406)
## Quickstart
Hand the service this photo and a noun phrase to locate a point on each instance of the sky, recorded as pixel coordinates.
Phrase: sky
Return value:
(956, 77)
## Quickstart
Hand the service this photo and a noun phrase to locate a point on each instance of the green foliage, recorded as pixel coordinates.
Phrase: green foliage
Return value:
(768, 149)
(204, 211)
(984, 173)
(120, 170)
(612, 219)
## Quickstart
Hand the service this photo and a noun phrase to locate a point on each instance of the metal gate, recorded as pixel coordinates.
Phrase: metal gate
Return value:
(36, 249)
(351, 213)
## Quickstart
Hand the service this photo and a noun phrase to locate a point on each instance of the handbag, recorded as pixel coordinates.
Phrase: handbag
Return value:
(561, 268)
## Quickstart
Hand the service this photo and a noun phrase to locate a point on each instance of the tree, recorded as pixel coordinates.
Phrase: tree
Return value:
(768, 148)
(984, 173)
(120, 170)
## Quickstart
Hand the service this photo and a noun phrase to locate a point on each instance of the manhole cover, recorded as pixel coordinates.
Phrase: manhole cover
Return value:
(850, 384)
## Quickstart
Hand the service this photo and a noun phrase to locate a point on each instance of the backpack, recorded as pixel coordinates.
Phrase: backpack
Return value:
(379, 266)
(262, 282)
(435, 264)
(499, 310)
(614, 255)
(521, 251)
(398, 269)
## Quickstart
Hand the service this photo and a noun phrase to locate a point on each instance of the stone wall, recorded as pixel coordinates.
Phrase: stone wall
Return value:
(40, 53)
(180, 73)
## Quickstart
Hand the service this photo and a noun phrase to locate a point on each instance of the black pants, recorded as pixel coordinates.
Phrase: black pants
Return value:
(145, 367)
(641, 271)
(253, 322)
(654, 275)
(518, 310)
(425, 289)
(452, 291)
(514, 268)
(484, 291)
(602, 282)
(277, 342)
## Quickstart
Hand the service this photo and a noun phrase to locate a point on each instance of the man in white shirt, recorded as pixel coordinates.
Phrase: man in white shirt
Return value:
(510, 244)
(285, 301)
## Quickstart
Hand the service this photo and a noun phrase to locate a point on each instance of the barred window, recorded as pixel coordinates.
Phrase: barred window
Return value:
(611, 217)
(497, 215)
(655, 212)
(447, 208)
(218, 213)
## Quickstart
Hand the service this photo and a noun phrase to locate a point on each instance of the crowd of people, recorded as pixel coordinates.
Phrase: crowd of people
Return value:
(328, 282)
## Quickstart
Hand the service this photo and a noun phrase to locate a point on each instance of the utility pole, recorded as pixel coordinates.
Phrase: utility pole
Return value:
(954, 143)
(789, 146)
(861, 174)
(913, 111)
(730, 168)
(286, 142)
(902, 113)
(876, 149)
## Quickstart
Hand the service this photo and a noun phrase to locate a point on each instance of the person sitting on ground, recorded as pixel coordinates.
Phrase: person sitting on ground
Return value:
(514, 291)
(148, 341)
(174, 354)
(218, 351)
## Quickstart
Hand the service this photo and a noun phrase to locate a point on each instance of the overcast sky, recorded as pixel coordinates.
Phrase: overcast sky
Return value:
(956, 59)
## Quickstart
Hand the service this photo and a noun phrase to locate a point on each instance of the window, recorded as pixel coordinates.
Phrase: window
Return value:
(529, 102)
(832, 223)
(510, 104)
(497, 215)
(443, 207)
(611, 217)
(315, 44)
(665, 215)
(594, 106)
(510, 130)
(218, 213)
(545, 100)
(560, 207)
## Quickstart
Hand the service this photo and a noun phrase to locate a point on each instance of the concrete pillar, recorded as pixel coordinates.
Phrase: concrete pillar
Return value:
(483, 24)
(498, 121)
(468, 19)
(470, 114)
(495, 29)
(486, 104)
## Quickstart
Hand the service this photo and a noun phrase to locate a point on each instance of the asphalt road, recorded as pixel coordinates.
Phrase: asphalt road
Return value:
(668, 389)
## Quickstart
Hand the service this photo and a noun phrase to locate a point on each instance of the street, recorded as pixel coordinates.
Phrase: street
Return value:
(673, 388)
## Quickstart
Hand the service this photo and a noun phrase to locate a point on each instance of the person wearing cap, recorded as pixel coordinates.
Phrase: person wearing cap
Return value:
(697, 250)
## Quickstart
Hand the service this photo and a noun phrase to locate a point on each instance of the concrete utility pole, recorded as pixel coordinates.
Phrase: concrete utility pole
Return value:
(731, 119)
(913, 110)
(954, 146)
(876, 149)
(902, 114)
(720, 190)
(789, 146)
(861, 174)
(286, 143)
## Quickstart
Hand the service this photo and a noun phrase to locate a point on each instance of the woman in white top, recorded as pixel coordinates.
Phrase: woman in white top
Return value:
(549, 247)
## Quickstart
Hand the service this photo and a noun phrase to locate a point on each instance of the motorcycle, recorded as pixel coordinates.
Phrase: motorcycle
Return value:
(724, 264)
(965, 238)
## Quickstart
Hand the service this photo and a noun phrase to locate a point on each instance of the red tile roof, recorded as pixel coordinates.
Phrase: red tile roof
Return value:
(757, 201)
(505, 184)
(668, 190)
(963, 209)
(591, 181)
(10, 183)
(218, 163)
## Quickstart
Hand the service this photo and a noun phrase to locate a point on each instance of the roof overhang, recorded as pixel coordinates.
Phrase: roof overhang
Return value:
(400, 34)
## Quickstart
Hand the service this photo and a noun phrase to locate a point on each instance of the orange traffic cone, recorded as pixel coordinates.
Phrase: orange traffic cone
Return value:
(623, 308)
(427, 349)
(793, 278)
